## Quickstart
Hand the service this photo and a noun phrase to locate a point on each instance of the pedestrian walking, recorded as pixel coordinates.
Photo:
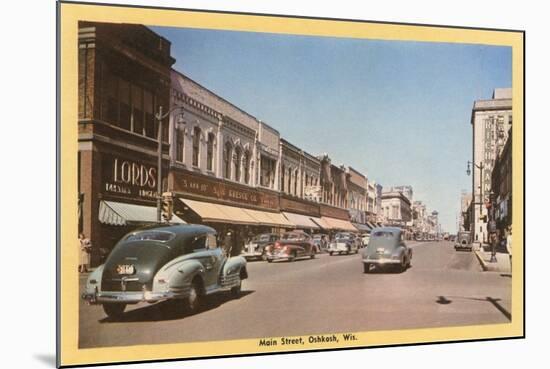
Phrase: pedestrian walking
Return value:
(492, 228)
(228, 242)
(85, 247)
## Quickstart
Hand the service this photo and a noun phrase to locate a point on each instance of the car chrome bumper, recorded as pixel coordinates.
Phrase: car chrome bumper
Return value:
(338, 249)
(251, 255)
(277, 256)
(381, 261)
(126, 297)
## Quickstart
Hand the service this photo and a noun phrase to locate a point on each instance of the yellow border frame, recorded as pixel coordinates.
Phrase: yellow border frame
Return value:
(71, 13)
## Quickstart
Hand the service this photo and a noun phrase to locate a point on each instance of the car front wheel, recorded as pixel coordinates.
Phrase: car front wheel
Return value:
(236, 291)
(194, 299)
(114, 310)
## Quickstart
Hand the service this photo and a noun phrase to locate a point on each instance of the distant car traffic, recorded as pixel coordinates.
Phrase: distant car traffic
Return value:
(290, 246)
(318, 242)
(255, 249)
(344, 242)
(463, 241)
(164, 262)
(386, 248)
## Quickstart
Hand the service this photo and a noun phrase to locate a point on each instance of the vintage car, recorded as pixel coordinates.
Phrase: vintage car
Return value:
(386, 248)
(290, 246)
(463, 241)
(317, 241)
(162, 262)
(344, 242)
(255, 249)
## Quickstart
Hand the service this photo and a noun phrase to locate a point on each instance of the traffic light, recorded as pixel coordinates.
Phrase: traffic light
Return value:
(167, 206)
(483, 218)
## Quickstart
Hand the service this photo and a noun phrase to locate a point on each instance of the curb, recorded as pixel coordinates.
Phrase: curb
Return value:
(481, 261)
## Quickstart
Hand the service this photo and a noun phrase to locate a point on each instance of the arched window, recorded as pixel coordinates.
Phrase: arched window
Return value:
(296, 182)
(179, 144)
(237, 159)
(246, 162)
(210, 151)
(196, 145)
(289, 179)
(283, 178)
(227, 160)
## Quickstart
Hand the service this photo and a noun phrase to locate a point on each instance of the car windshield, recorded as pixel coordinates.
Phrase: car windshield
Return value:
(161, 236)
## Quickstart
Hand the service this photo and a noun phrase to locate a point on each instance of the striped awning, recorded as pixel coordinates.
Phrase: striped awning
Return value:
(121, 214)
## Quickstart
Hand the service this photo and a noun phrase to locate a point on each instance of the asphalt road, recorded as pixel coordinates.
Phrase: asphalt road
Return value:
(328, 294)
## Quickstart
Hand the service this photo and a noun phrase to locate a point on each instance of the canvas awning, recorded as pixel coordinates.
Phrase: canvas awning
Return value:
(320, 222)
(217, 213)
(120, 214)
(339, 224)
(362, 227)
(269, 219)
(300, 221)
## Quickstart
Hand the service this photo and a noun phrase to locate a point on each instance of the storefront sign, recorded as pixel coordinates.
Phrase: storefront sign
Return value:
(129, 178)
(329, 211)
(191, 183)
(302, 207)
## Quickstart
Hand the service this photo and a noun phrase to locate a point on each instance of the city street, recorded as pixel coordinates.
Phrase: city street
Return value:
(328, 294)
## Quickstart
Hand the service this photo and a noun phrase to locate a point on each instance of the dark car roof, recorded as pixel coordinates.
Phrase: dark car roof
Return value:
(396, 230)
(180, 230)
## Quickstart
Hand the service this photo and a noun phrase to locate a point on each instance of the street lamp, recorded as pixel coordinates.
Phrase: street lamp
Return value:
(160, 116)
(468, 172)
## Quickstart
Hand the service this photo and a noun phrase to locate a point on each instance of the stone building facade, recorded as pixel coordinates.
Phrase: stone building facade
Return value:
(491, 121)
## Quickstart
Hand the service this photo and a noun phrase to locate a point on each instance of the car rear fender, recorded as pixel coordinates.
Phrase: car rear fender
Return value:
(178, 275)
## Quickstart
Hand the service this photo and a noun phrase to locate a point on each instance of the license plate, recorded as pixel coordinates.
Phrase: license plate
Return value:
(125, 269)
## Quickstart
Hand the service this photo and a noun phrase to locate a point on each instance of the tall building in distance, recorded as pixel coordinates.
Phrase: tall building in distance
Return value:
(405, 190)
(465, 200)
(491, 121)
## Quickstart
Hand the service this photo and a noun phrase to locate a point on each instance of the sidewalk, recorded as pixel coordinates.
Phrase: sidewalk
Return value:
(502, 264)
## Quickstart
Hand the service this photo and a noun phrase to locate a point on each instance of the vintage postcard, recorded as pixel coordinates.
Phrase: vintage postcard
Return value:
(240, 184)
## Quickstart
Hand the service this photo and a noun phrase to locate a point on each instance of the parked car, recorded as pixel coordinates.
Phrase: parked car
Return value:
(290, 246)
(255, 249)
(463, 241)
(387, 248)
(164, 262)
(317, 241)
(344, 242)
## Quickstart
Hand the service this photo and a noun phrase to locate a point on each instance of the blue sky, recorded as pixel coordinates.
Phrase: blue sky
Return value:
(397, 111)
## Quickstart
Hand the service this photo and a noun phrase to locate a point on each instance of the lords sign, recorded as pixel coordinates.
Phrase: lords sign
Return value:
(129, 178)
